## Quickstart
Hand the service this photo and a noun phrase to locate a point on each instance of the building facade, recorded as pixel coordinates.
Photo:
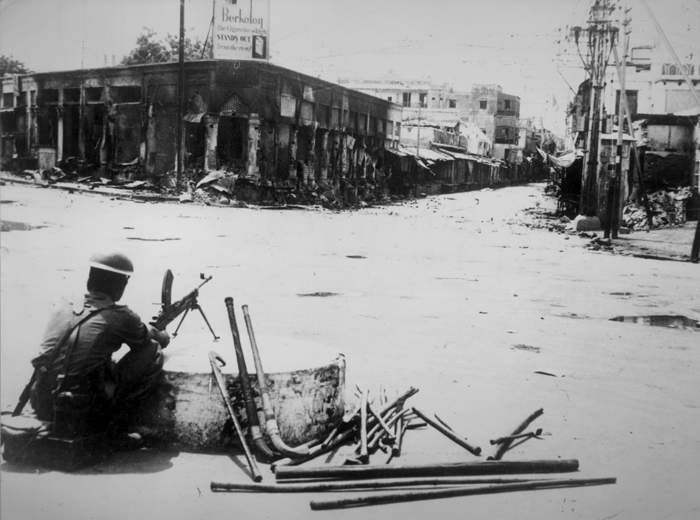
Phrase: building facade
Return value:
(483, 110)
(261, 121)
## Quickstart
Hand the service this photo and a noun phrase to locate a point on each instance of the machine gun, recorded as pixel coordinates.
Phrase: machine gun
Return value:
(169, 310)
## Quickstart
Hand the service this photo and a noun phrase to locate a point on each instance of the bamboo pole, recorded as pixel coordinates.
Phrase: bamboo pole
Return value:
(359, 485)
(411, 496)
(495, 467)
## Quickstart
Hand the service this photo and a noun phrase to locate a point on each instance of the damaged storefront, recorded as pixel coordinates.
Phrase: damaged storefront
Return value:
(271, 129)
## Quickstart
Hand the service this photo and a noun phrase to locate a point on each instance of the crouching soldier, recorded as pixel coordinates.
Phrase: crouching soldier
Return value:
(78, 386)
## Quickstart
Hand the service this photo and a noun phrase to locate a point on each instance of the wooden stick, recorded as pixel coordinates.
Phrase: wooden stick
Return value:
(443, 423)
(496, 467)
(501, 440)
(379, 419)
(363, 485)
(381, 433)
(400, 430)
(504, 447)
(364, 454)
(460, 491)
(373, 432)
(449, 434)
(414, 425)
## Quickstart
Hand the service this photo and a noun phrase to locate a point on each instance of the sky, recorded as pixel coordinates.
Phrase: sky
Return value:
(515, 43)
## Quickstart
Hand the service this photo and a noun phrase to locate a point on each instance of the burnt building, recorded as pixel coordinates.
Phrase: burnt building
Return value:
(261, 121)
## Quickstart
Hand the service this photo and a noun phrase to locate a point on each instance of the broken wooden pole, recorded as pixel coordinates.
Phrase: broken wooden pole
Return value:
(449, 434)
(505, 446)
(495, 467)
(460, 491)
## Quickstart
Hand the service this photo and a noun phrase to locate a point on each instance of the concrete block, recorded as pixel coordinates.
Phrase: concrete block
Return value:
(584, 223)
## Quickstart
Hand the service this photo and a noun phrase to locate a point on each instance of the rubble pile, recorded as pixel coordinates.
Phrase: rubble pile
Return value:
(224, 187)
(668, 208)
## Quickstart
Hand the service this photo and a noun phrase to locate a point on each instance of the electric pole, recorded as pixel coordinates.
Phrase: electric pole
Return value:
(612, 224)
(599, 35)
(180, 97)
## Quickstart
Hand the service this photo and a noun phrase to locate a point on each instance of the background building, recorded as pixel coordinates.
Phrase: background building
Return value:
(258, 120)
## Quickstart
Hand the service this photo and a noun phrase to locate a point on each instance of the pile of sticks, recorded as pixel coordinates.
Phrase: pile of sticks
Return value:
(413, 483)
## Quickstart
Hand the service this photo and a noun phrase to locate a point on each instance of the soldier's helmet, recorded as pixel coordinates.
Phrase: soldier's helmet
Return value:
(113, 262)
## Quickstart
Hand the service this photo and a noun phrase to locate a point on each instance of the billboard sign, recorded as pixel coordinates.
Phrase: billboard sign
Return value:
(241, 29)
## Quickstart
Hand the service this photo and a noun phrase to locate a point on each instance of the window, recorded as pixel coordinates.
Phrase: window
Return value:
(406, 98)
(423, 99)
(125, 94)
(506, 104)
(93, 94)
(483, 104)
(8, 99)
(71, 95)
(49, 95)
(452, 103)
(389, 99)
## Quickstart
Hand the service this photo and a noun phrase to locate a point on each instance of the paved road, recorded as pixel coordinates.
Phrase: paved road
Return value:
(449, 294)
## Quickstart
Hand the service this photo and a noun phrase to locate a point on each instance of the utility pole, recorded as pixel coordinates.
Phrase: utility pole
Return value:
(612, 223)
(600, 35)
(180, 96)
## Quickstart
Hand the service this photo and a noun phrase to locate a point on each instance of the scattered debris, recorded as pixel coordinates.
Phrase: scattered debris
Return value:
(211, 178)
(9, 225)
(670, 321)
(544, 373)
(572, 315)
(153, 239)
(355, 256)
(136, 184)
(319, 294)
(529, 348)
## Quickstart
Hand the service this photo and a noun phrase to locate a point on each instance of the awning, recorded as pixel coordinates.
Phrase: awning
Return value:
(191, 117)
(565, 160)
(426, 153)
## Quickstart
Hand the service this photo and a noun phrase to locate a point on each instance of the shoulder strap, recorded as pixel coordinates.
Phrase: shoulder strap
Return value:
(60, 377)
